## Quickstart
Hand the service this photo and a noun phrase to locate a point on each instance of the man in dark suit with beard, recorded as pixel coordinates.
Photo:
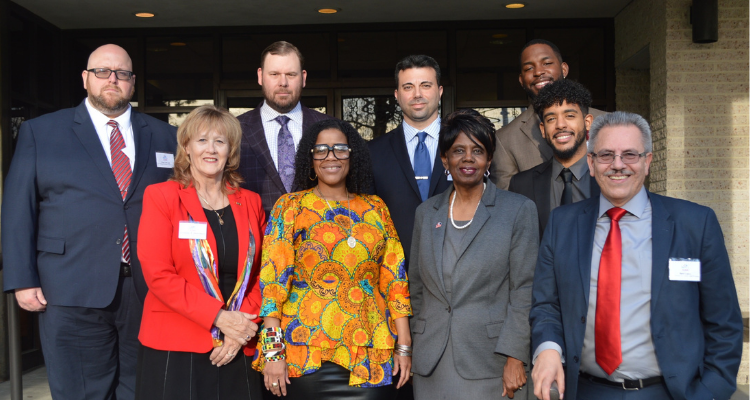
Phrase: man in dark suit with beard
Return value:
(272, 131)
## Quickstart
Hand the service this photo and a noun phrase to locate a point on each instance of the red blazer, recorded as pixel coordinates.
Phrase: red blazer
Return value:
(177, 313)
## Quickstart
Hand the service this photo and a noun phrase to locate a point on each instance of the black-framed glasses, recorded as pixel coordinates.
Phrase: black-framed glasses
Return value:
(340, 151)
(105, 73)
(608, 157)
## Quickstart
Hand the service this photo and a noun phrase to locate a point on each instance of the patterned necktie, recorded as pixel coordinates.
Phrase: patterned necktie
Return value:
(607, 324)
(285, 153)
(567, 194)
(123, 173)
(422, 166)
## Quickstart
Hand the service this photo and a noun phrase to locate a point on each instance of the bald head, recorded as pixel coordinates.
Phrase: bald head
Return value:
(110, 95)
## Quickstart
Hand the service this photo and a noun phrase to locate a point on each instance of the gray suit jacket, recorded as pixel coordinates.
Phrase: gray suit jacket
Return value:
(491, 292)
(520, 146)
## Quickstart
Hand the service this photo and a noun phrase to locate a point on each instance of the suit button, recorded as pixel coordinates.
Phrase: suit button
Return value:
(583, 320)
(575, 359)
(448, 309)
(119, 241)
(127, 206)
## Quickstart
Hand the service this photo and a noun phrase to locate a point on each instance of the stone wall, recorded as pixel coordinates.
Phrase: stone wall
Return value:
(699, 115)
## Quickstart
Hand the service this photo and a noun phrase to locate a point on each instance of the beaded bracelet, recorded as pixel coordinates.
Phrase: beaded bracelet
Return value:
(280, 357)
(273, 346)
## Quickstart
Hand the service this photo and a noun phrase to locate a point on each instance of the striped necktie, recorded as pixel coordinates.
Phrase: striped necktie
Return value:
(123, 173)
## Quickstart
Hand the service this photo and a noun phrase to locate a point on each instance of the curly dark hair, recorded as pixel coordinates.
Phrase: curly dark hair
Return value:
(471, 123)
(565, 90)
(359, 179)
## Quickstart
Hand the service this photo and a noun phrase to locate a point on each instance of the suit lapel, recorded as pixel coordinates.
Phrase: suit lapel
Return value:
(189, 199)
(481, 216)
(86, 133)
(142, 138)
(530, 128)
(437, 173)
(662, 230)
(438, 235)
(586, 229)
(242, 219)
(398, 143)
(542, 190)
(255, 135)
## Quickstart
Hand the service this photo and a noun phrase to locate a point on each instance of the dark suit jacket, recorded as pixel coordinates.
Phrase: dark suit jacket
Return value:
(178, 313)
(487, 314)
(256, 163)
(520, 146)
(696, 326)
(394, 182)
(536, 184)
(63, 215)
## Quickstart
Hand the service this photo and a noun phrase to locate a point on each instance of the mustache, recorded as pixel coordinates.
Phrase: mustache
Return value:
(626, 172)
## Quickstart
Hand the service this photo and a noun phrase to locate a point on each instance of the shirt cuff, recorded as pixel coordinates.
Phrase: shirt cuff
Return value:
(547, 346)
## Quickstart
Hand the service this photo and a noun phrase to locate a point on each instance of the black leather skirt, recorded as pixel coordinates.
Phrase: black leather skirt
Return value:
(331, 382)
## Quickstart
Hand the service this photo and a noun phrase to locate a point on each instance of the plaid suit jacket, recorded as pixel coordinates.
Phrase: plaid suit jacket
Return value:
(256, 164)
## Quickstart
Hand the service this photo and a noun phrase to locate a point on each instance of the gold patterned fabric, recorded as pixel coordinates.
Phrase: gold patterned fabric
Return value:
(336, 303)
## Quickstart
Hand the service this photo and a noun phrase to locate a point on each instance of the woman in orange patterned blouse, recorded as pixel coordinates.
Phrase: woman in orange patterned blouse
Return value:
(335, 292)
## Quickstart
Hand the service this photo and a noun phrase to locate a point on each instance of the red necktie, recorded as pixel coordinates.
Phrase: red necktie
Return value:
(607, 324)
(123, 173)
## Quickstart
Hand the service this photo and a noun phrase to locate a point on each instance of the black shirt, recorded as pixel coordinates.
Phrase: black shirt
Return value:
(227, 248)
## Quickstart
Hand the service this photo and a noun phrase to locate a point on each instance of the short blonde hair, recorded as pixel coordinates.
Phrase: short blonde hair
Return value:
(202, 119)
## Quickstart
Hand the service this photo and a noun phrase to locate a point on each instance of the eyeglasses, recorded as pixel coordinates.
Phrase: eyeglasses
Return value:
(340, 151)
(105, 73)
(608, 157)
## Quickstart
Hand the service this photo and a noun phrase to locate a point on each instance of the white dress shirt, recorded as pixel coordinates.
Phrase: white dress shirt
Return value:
(431, 140)
(271, 128)
(104, 131)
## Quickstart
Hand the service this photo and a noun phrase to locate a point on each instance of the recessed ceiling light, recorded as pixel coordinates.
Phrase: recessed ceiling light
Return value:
(329, 10)
(178, 44)
(515, 5)
(144, 15)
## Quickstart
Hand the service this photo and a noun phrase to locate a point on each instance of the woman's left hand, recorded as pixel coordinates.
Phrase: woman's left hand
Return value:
(403, 364)
(514, 376)
(223, 354)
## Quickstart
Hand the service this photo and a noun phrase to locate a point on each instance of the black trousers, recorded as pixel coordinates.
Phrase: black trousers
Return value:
(91, 353)
(331, 382)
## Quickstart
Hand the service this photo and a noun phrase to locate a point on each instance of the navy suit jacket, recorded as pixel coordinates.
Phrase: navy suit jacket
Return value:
(536, 184)
(696, 326)
(256, 163)
(394, 182)
(63, 215)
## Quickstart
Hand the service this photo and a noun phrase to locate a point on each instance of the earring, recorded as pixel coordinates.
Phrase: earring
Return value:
(447, 173)
(313, 178)
(487, 174)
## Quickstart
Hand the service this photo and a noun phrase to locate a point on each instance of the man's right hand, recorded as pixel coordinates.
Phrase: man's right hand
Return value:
(31, 299)
(547, 369)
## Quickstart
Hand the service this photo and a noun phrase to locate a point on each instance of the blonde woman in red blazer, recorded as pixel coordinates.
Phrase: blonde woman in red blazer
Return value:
(200, 248)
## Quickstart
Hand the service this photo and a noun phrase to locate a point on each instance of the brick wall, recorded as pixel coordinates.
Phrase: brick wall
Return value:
(699, 115)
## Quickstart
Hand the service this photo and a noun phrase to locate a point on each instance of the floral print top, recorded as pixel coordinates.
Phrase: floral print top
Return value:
(336, 303)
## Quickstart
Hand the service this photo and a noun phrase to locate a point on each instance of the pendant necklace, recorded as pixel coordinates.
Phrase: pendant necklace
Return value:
(351, 241)
(221, 221)
(453, 222)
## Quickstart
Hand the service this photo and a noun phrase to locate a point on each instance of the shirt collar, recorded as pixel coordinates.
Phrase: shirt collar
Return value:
(636, 205)
(433, 130)
(269, 114)
(579, 168)
(99, 119)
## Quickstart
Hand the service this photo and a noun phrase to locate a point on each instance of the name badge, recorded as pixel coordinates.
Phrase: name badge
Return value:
(192, 230)
(684, 269)
(164, 160)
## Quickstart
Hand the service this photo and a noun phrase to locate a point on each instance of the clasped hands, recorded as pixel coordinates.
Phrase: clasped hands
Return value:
(238, 328)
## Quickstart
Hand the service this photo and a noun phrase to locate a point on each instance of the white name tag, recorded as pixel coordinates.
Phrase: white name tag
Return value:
(684, 269)
(192, 230)
(165, 160)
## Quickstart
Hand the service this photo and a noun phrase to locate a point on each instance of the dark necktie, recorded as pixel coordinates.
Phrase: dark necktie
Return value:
(607, 323)
(123, 173)
(285, 153)
(567, 194)
(422, 166)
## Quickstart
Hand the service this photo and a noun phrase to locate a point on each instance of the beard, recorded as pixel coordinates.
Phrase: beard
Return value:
(567, 154)
(530, 93)
(281, 107)
(109, 106)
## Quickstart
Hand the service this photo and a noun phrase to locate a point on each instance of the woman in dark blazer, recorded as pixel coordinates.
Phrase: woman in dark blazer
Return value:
(200, 248)
(472, 262)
